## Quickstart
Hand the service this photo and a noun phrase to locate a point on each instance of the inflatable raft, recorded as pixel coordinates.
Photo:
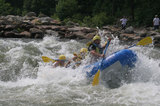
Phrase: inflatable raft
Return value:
(114, 68)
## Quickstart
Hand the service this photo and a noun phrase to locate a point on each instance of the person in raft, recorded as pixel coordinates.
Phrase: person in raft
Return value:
(95, 49)
(76, 60)
(60, 61)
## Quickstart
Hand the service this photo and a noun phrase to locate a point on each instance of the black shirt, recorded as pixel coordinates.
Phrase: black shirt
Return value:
(93, 47)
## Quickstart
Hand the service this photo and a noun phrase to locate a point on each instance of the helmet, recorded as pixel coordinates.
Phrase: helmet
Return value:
(96, 37)
(62, 57)
(84, 50)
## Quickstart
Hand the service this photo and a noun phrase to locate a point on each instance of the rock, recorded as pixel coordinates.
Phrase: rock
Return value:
(45, 20)
(83, 29)
(1, 33)
(74, 29)
(35, 30)
(9, 34)
(36, 21)
(26, 34)
(152, 33)
(157, 45)
(29, 18)
(157, 37)
(156, 40)
(31, 26)
(42, 15)
(5, 22)
(38, 36)
(142, 33)
(129, 36)
(70, 23)
(31, 14)
(25, 26)
(12, 34)
(36, 33)
(129, 30)
(55, 22)
(51, 32)
(14, 19)
(90, 35)
(52, 27)
(2, 27)
(112, 29)
(9, 27)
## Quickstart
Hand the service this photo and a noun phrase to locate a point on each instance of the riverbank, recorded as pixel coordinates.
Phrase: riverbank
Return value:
(31, 26)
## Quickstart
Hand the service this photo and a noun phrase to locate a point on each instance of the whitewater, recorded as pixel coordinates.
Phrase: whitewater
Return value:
(25, 80)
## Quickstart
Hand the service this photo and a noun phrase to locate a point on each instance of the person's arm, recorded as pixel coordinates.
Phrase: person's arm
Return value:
(109, 39)
(93, 52)
(69, 61)
(153, 21)
(67, 64)
(56, 64)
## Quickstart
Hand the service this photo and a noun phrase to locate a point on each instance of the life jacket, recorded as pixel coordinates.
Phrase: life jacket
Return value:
(98, 48)
(61, 65)
(78, 59)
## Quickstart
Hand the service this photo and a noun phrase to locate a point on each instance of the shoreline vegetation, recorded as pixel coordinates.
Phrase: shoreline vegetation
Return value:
(31, 26)
(78, 19)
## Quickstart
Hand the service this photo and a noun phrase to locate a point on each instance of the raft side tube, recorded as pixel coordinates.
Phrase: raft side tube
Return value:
(126, 57)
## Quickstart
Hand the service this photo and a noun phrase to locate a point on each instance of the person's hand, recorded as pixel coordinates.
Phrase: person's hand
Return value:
(109, 39)
(126, 47)
(102, 55)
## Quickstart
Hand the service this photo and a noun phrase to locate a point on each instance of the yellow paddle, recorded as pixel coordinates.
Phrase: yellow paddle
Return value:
(96, 77)
(47, 59)
(143, 42)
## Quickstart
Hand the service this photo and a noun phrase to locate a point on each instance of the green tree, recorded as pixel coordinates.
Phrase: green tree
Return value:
(66, 8)
(26, 6)
(18, 6)
(5, 8)
(40, 6)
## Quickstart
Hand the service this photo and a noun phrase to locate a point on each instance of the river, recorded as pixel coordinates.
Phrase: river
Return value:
(25, 80)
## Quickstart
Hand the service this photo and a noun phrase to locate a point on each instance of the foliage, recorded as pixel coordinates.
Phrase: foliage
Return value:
(101, 19)
(66, 8)
(5, 8)
(87, 12)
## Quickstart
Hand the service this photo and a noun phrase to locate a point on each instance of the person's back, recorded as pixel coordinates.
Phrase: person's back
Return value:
(60, 62)
(76, 60)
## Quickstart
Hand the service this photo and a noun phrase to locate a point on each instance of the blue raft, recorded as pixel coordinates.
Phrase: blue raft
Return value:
(114, 68)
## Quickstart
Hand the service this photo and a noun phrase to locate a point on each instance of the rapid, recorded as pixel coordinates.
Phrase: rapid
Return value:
(25, 80)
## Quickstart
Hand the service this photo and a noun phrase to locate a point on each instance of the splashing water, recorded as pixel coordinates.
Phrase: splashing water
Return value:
(26, 80)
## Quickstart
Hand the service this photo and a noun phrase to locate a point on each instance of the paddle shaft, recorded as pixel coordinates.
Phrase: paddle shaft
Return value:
(131, 46)
(105, 51)
(96, 77)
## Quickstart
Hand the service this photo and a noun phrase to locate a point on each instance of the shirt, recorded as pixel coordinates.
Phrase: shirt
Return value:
(93, 47)
(123, 21)
(156, 21)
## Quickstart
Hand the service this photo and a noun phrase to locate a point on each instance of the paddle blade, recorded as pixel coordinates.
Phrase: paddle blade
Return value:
(96, 79)
(145, 41)
(47, 59)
